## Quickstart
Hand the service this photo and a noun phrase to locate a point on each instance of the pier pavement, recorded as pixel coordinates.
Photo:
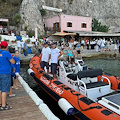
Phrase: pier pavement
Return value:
(23, 108)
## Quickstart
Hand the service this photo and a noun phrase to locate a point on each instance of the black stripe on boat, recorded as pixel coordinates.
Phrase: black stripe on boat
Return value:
(86, 100)
(106, 112)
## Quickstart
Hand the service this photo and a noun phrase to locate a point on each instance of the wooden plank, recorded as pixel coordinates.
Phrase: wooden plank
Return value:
(23, 107)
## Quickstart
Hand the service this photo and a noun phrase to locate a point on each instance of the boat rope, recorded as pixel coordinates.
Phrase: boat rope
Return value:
(86, 108)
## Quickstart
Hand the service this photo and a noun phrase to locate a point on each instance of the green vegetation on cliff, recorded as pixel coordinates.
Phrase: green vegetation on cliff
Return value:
(97, 26)
(8, 8)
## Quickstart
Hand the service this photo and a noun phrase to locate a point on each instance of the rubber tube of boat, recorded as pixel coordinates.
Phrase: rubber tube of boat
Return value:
(30, 72)
(47, 112)
(66, 106)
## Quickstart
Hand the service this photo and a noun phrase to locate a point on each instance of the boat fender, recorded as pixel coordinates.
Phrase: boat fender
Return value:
(66, 106)
(47, 112)
(26, 87)
(35, 98)
(31, 72)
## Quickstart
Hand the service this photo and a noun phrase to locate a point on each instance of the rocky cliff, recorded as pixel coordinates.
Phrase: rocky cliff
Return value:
(106, 11)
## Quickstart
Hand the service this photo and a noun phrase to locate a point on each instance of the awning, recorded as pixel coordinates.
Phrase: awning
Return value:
(4, 20)
(100, 35)
(95, 34)
(63, 34)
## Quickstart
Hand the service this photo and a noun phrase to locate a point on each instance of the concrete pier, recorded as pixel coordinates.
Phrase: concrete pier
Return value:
(23, 107)
(86, 54)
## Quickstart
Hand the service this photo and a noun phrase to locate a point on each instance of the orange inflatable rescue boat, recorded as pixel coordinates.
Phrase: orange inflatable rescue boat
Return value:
(86, 94)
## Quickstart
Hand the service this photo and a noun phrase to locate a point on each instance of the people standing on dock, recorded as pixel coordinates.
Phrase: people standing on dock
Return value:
(13, 76)
(115, 47)
(119, 50)
(107, 45)
(55, 55)
(17, 69)
(36, 44)
(46, 55)
(102, 45)
(22, 46)
(99, 44)
(88, 44)
(79, 56)
(5, 74)
(19, 45)
(82, 44)
(70, 53)
(25, 48)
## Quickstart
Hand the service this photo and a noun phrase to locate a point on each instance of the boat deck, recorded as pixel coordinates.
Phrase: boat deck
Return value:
(114, 98)
(23, 108)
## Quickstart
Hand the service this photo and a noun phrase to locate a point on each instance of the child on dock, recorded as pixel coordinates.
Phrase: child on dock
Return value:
(17, 69)
(12, 76)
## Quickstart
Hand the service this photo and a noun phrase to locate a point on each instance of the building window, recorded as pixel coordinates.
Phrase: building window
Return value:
(69, 24)
(56, 25)
(83, 25)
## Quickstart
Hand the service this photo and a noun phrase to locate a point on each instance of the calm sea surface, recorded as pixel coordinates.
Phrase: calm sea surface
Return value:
(109, 66)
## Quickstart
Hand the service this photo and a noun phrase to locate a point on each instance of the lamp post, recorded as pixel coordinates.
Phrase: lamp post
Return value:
(90, 1)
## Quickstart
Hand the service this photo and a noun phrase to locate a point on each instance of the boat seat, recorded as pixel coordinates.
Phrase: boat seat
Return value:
(96, 84)
(72, 76)
(95, 89)
(90, 73)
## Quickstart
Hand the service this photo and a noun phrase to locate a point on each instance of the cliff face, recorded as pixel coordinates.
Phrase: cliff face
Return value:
(106, 11)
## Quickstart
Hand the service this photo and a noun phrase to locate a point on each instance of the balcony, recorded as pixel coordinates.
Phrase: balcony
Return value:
(54, 29)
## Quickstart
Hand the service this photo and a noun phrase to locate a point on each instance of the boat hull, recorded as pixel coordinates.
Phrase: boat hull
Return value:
(85, 109)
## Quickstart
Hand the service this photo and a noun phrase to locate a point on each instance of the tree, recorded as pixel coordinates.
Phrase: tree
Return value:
(43, 12)
(97, 26)
(71, 1)
(17, 19)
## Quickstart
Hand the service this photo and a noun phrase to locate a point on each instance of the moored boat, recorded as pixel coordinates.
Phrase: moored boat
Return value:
(86, 94)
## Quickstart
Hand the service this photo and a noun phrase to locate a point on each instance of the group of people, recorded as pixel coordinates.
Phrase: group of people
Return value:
(22, 47)
(100, 44)
(54, 54)
(9, 69)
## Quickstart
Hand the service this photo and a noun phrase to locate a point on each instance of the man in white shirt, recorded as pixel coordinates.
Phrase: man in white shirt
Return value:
(46, 55)
(55, 55)
(36, 43)
(102, 44)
